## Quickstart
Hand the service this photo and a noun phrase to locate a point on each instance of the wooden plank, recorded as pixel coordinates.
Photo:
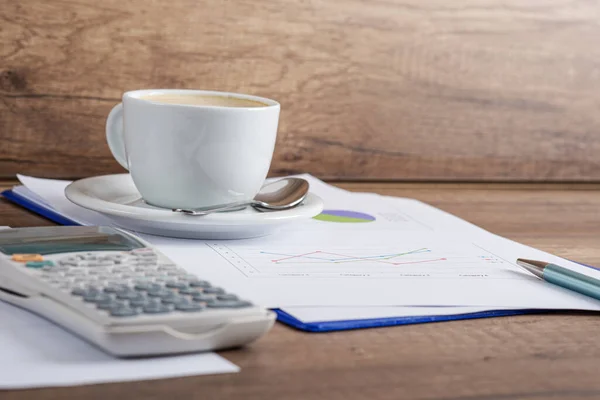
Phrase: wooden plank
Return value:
(526, 357)
(387, 89)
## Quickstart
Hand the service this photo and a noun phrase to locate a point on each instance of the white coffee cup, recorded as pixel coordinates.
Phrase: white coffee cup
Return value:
(194, 148)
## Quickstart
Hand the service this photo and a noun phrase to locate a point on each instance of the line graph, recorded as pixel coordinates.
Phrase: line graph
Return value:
(319, 256)
(405, 261)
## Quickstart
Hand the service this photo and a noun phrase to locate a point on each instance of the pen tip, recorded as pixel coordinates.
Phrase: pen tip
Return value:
(536, 263)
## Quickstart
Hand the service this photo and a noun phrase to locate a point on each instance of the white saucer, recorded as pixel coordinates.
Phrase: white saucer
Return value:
(117, 198)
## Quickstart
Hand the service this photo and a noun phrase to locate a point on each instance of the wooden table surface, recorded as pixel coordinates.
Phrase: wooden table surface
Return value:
(553, 356)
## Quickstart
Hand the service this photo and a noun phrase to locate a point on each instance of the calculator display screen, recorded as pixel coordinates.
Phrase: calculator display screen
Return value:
(64, 239)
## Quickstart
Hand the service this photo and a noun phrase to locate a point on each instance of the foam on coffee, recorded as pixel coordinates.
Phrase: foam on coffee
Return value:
(202, 100)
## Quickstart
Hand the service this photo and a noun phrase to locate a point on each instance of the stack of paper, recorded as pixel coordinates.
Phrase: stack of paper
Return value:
(398, 257)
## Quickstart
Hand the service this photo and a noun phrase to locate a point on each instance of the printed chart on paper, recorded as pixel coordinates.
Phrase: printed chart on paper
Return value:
(403, 261)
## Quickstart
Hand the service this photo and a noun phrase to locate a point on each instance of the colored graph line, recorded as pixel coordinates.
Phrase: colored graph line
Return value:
(343, 259)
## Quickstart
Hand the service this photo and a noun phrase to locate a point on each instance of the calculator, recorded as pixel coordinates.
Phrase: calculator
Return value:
(121, 294)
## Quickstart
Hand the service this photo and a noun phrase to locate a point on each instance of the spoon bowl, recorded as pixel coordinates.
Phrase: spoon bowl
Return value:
(279, 195)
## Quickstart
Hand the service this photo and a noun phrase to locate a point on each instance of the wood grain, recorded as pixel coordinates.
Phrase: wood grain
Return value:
(535, 357)
(383, 89)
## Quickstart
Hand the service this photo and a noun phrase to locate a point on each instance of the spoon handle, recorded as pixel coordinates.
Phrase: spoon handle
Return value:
(200, 212)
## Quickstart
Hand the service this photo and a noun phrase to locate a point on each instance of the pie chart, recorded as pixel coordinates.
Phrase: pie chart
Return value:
(344, 216)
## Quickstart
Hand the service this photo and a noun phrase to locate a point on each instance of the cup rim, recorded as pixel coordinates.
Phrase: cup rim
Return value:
(268, 103)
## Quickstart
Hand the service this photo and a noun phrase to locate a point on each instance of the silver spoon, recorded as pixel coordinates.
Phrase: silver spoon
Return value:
(279, 195)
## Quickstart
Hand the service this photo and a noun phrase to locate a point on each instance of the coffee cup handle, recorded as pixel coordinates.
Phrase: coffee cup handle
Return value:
(114, 135)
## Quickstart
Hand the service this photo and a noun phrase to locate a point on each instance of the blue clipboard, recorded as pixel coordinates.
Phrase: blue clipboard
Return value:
(285, 318)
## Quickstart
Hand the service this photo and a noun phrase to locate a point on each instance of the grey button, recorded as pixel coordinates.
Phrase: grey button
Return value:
(100, 263)
(157, 309)
(96, 297)
(167, 267)
(176, 273)
(213, 290)
(205, 299)
(94, 272)
(189, 277)
(73, 261)
(142, 301)
(93, 288)
(163, 293)
(114, 257)
(189, 307)
(114, 288)
(190, 291)
(107, 305)
(129, 295)
(145, 264)
(147, 286)
(123, 312)
(227, 297)
(199, 283)
(152, 273)
(174, 300)
(176, 285)
(229, 304)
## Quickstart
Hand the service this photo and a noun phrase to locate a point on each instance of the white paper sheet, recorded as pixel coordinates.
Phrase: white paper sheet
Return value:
(38, 353)
(412, 254)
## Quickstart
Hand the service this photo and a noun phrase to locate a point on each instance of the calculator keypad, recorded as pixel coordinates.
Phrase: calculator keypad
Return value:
(134, 283)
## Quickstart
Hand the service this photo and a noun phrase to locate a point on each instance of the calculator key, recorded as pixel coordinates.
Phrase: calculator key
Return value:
(93, 289)
(38, 264)
(189, 307)
(141, 301)
(97, 297)
(229, 304)
(156, 309)
(163, 293)
(129, 295)
(167, 267)
(94, 272)
(176, 285)
(204, 299)
(77, 272)
(144, 286)
(123, 312)
(114, 288)
(68, 263)
(190, 291)
(107, 305)
(100, 263)
(122, 269)
(199, 284)
(175, 300)
(213, 290)
(227, 297)
(27, 257)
